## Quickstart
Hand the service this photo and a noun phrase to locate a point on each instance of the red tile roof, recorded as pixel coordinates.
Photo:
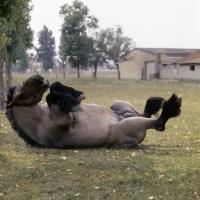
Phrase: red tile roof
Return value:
(193, 58)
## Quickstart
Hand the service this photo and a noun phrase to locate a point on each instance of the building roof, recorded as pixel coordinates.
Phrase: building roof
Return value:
(167, 50)
(193, 58)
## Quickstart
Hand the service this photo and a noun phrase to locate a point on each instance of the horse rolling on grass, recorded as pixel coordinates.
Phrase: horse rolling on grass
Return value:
(65, 122)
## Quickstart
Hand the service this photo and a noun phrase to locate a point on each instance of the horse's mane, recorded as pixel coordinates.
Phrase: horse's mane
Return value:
(9, 94)
(10, 116)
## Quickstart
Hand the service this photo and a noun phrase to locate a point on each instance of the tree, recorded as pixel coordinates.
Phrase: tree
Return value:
(98, 51)
(22, 37)
(76, 43)
(63, 62)
(117, 44)
(23, 63)
(46, 50)
(14, 21)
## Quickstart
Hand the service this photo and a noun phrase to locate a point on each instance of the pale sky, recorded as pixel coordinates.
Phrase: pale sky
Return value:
(150, 23)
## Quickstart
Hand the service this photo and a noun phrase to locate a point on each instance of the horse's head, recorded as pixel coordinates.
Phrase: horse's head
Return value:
(29, 93)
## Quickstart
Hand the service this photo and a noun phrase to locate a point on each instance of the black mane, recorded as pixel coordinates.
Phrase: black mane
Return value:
(9, 95)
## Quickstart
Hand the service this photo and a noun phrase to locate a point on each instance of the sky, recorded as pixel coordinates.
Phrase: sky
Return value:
(150, 23)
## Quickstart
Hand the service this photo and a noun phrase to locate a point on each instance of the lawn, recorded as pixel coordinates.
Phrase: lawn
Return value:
(165, 166)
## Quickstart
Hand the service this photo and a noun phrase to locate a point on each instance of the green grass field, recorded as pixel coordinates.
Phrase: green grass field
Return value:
(165, 166)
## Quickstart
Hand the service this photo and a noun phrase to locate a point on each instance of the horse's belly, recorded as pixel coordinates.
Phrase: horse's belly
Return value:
(93, 127)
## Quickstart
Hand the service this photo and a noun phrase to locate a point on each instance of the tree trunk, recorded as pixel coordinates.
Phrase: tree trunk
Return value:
(64, 73)
(8, 69)
(95, 71)
(2, 88)
(119, 77)
(78, 72)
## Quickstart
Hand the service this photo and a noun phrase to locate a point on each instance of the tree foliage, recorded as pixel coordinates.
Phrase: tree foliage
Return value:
(13, 13)
(22, 39)
(75, 42)
(15, 36)
(116, 44)
(46, 50)
(98, 51)
(23, 63)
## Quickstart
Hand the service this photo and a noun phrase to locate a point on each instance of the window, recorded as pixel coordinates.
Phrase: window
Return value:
(192, 67)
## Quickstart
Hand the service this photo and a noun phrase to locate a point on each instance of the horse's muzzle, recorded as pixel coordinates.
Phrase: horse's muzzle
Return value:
(46, 84)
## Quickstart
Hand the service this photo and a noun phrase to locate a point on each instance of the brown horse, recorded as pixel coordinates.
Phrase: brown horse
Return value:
(65, 122)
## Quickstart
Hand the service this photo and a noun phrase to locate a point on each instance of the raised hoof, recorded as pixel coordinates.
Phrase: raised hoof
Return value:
(153, 105)
(172, 106)
(175, 100)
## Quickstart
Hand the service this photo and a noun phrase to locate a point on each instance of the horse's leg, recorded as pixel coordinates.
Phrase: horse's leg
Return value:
(132, 131)
(60, 108)
(153, 105)
(124, 109)
(171, 108)
(64, 101)
(58, 87)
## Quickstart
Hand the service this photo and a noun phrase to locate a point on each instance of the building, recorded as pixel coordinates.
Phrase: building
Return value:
(189, 66)
(148, 63)
(34, 65)
(37, 67)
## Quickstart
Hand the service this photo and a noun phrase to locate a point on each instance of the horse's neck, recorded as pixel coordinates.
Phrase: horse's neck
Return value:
(29, 118)
(26, 121)
(23, 113)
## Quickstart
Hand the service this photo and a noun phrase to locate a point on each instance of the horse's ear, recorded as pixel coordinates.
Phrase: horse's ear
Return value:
(9, 105)
(12, 103)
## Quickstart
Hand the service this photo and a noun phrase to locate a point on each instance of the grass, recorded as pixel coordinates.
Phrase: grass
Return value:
(165, 166)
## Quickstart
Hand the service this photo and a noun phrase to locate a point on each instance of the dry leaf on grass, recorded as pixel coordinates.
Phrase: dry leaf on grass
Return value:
(160, 176)
(147, 174)
(133, 154)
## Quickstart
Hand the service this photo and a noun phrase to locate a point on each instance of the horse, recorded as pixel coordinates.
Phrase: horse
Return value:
(65, 122)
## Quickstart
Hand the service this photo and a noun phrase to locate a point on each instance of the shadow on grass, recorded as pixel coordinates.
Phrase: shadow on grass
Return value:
(162, 150)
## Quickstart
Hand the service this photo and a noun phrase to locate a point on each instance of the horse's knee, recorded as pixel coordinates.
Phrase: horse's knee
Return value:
(115, 106)
(131, 131)
(124, 108)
